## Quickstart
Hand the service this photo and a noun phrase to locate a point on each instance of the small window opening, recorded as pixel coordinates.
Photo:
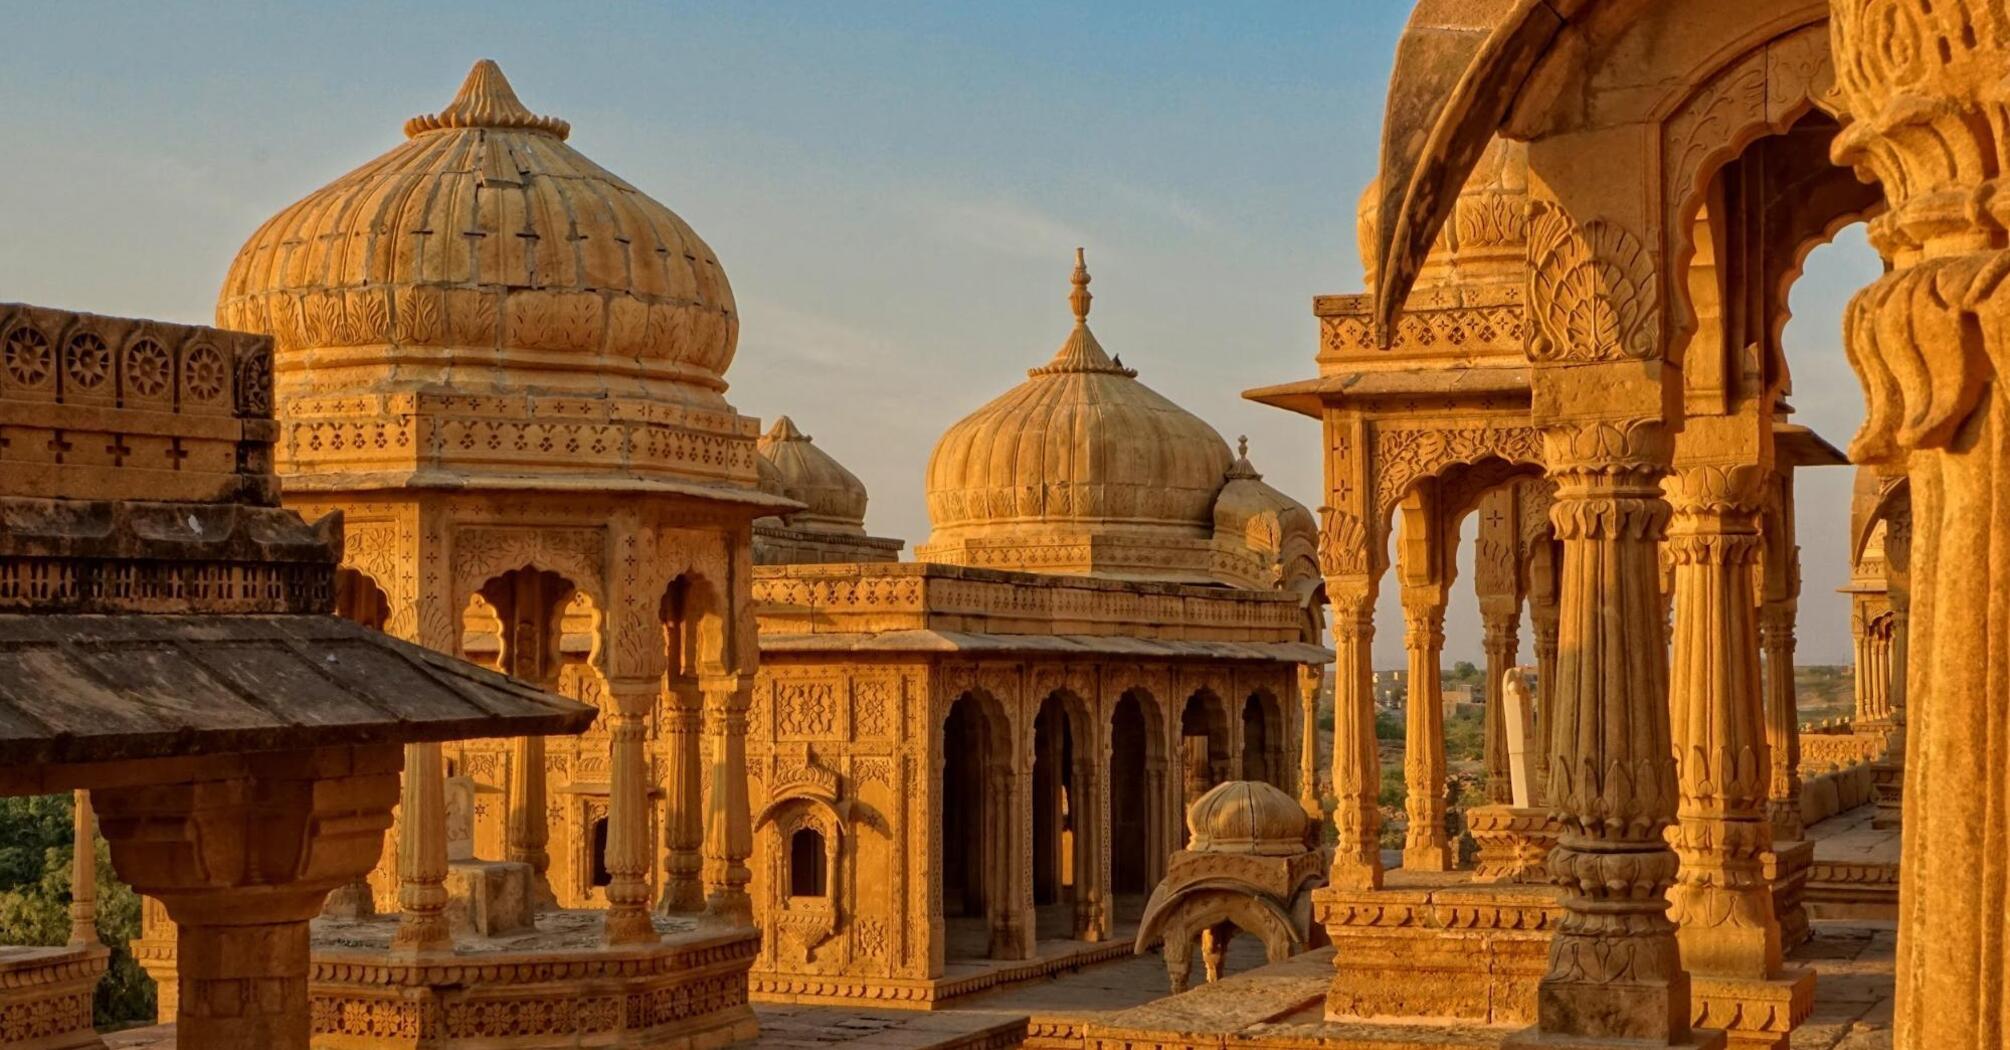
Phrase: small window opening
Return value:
(601, 876)
(806, 864)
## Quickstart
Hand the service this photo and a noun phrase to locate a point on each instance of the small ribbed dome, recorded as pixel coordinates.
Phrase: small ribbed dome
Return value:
(484, 258)
(1082, 448)
(1272, 528)
(836, 498)
(1246, 816)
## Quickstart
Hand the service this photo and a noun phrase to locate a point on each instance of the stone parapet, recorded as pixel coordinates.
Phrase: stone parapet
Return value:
(109, 408)
(838, 599)
(685, 990)
(45, 997)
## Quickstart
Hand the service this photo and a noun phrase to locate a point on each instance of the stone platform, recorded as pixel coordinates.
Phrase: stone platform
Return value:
(550, 987)
(1855, 869)
(961, 977)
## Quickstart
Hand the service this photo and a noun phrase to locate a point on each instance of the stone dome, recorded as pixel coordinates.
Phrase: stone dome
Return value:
(1081, 469)
(573, 322)
(834, 496)
(1246, 816)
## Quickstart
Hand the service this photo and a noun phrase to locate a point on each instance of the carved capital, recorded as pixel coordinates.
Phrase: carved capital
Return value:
(1343, 543)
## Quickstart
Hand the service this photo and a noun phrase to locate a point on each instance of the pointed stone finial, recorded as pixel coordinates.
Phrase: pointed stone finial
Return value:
(1242, 446)
(486, 100)
(1079, 297)
(784, 429)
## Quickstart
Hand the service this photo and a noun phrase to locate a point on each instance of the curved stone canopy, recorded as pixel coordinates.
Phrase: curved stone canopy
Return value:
(541, 313)
(1081, 468)
(834, 496)
(1246, 816)
(1484, 238)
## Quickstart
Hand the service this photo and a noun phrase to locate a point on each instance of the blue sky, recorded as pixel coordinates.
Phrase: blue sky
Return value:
(894, 189)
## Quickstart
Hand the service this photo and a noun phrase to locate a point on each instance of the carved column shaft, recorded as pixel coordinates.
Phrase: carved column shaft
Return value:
(422, 852)
(1426, 846)
(1783, 720)
(684, 808)
(1543, 620)
(1309, 678)
(1502, 641)
(1613, 971)
(1357, 760)
(729, 837)
(83, 872)
(628, 857)
(1721, 902)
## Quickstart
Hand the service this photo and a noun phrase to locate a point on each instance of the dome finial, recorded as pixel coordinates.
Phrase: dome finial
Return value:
(1242, 446)
(1079, 297)
(486, 100)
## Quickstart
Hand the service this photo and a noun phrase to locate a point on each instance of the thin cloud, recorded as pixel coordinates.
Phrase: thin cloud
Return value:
(1002, 226)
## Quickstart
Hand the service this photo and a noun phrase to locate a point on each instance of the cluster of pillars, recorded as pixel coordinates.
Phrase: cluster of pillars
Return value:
(1503, 580)
(707, 834)
(1643, 731)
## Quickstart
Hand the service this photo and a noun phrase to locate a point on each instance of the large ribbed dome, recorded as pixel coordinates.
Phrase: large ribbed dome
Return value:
(834, 497)
(486, 258)
(1081, 468)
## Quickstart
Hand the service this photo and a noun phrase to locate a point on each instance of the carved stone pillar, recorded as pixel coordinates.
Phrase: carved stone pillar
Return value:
(628, 857)
(242, 864)
(1426, 846)
(1923, 86)
(1860, 662)
(1614, 972)
(422, 853)
(1357, 758)
(528, 829)
(1543, 622)
(1783, 720)
(1086, 801)
(1502, 640)
(1309, 678)
(729, 836)
(83, 872)
(1721, 902)
(683, 809)
(1888, 771)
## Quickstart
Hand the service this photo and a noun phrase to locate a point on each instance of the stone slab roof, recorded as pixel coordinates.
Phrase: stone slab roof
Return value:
(1105, 645)
(83, 688)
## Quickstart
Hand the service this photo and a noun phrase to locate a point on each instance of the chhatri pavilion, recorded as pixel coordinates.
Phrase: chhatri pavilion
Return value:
(828, 796)
(971, 769)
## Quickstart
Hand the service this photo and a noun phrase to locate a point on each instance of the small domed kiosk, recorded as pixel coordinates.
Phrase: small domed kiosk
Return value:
(1249, 865)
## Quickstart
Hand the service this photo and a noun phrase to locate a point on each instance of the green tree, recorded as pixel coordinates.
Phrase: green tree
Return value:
(35, 862)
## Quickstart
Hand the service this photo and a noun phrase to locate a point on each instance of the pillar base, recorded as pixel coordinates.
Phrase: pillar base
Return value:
(1786, 867)
(1888, 779)
(1428, 858)
(1754, 1014)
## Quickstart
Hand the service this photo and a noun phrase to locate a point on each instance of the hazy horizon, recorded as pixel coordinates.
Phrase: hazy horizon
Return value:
(894, 191)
